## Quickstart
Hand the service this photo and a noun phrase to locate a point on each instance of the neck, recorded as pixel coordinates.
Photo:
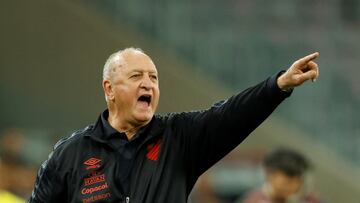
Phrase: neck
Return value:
(123, 126)
(269, 192)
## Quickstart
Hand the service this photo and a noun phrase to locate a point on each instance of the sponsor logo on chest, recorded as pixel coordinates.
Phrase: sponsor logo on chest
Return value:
(90, 190)
(92, 163)
(95, 186)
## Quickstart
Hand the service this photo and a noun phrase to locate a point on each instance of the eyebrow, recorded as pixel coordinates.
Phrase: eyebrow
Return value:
(140, 71)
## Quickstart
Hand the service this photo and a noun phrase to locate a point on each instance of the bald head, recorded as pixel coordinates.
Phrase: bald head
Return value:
(118, 59)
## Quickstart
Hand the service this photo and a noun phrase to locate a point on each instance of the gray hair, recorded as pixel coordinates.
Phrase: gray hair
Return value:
(116, 60)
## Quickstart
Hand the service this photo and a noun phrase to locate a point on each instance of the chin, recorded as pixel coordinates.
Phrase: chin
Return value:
(144, 118)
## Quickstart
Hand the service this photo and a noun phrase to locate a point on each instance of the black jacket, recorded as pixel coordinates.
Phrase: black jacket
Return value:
(163, 163)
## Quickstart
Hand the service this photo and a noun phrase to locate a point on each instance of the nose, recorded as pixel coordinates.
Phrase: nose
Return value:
(146, 83)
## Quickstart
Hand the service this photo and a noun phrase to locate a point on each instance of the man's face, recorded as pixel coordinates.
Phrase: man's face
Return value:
(135, 89)
(284, 186)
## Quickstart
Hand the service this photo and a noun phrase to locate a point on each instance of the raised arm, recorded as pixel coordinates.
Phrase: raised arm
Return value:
(209, 135)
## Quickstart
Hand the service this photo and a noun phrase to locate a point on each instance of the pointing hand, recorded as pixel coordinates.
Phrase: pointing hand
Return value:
(300, 71)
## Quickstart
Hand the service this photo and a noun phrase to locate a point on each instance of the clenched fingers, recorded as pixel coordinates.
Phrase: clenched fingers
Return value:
(311, 74)
(312, 66)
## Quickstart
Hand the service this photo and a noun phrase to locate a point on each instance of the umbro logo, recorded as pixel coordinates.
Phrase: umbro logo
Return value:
(92, 163)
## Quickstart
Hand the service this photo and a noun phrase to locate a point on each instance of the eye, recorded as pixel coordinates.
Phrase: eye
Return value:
(153, 77)
(135, 76)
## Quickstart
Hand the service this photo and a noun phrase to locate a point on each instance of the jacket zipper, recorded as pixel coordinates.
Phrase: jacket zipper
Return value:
(127, 199)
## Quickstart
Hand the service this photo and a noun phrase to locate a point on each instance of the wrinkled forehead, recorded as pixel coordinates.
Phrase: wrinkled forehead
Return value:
(137, 61)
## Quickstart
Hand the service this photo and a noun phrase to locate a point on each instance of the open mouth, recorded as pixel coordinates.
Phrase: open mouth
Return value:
(145, 98)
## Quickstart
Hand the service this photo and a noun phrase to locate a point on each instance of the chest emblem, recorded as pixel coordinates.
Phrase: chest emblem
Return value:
(153, 150)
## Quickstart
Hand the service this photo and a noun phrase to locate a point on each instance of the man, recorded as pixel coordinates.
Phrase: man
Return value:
(132, 155)
(285, 170)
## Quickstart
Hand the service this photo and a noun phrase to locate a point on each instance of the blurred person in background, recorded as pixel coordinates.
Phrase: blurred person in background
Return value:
(16, 178)
(131, 155)
(231, 178)
(285, 171)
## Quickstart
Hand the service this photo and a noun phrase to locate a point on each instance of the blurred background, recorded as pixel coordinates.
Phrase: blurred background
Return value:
(52, 54)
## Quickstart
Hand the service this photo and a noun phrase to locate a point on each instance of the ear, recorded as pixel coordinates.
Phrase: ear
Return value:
(109, 93)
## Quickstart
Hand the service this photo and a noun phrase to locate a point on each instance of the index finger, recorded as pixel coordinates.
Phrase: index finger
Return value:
(308, 58)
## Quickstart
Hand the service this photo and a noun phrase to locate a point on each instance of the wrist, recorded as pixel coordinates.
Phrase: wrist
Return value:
(282, 84)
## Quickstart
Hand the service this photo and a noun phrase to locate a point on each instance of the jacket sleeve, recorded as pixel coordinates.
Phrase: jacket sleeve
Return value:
(209, 135)
(49, 186)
